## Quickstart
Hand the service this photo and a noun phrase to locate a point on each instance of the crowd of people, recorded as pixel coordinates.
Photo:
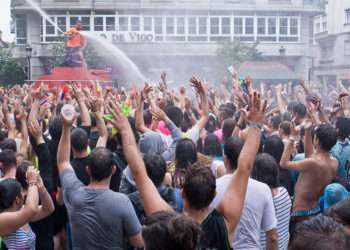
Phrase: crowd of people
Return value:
(199, 167)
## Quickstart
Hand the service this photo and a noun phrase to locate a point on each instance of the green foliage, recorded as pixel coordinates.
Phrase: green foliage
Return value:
(11, 72)
(236, 52)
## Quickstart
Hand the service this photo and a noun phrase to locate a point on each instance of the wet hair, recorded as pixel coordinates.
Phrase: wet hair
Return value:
(8, 159)
(318, 233)
(343, 126)
(286, 127)
(266, 170)
(155, 167)
(286, 117)
(275, 121)
(21, 173)
(9, 144)
(175, 114)
(228, 127)
(55, 128)
(232, 149)
(326, 135)
(185, 153)
(212, 146)
(80, 139)
(100, 163)
(274, 146)
(147, 117)
(300, 110)
(226, 112)
(10, 189)
(3, 135)
(290, 106)
(211, 124)
(199, 186)
(341, 212)
(171, 231)
(93, 120)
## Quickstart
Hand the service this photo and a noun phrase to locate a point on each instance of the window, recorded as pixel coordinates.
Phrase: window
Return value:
(283, 26)
(85, 22)
(61, 22)
(147, 23)
(318, 27)
(180, 25)
(170, 25)
(347, 16)
(135, 23)
(249, 25)
(261, 26)
(50, 29)
(21, 29)
(293, 27)
(110, 23)
(214, 25)
(158, 25)
(73, 20)
(192, 26)
(272, 26)
(238, 25)
(123, 24)
(202, 23)
(225, 25)
(98, 23)
(324, 26)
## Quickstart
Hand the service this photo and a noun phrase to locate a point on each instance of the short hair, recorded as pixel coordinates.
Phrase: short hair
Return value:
(175, 114)
(343, 126)
(326, 135)
(155, 167)
(286, 117)
(147, 117)
(266, 170)
(286, 127)
(8, 159)
(10, 144)
(232, 149)
(341, 212)
(318, 233)
(199, 186)
(80, 139)
(228, 127)
(10, 189)
(300, 110)
(185, 153)
(274, 146)
(100, 163)
(212, 146)
(55, 128)
(21, 173)
(171, 231)
(226, 111)
(275, 121)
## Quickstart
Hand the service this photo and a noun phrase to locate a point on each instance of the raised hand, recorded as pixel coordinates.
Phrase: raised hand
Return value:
(68, 115)
(35, 129)
(198, 85)
(77, 92)
(119, 120)
(163, 84)
(147, 89)
(257, 109)
(32, 175)
(159, 114)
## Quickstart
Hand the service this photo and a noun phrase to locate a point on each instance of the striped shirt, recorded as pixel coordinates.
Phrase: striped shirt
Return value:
(283, 205)
(21, 240)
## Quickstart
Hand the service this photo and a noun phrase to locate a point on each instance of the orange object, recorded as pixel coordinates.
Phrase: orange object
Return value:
(74, 38)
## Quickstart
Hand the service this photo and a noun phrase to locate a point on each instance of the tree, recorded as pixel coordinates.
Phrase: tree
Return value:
(11, 72)
(235, 53)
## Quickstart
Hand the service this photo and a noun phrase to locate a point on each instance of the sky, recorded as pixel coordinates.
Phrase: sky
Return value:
(5, 18)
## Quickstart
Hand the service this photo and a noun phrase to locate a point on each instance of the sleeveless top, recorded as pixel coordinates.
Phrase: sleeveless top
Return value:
(21, 239)
(214, 234)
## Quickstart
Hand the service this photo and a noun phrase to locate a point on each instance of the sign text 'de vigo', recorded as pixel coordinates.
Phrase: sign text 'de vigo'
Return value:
(127, 36)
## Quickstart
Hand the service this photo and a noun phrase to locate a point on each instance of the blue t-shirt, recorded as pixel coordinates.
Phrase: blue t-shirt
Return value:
(341, 151)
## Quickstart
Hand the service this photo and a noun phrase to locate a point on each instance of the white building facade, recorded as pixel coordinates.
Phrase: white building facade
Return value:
(180, 36)
(332, 36)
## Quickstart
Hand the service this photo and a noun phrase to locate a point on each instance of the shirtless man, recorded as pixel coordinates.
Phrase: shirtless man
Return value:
(316, 171)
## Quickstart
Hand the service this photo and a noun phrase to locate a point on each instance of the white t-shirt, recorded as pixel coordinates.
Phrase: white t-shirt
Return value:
(258, 213)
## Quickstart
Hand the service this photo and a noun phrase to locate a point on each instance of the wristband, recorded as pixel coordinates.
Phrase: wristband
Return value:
(34, 183)
(255, 125)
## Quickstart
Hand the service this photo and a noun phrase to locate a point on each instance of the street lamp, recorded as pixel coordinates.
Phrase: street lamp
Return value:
(28, 56)
(282, 51)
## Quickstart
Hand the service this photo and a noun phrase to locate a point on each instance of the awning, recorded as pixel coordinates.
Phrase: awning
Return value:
(267, 70)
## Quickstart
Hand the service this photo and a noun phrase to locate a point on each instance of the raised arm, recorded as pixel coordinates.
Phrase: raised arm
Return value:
(9, 121)
(203, 93)
(84, 111)
(64, 147)
(232, 203)
(11, 221)
(150, 197)
(24, 146)
(97, 108)
(139, 121)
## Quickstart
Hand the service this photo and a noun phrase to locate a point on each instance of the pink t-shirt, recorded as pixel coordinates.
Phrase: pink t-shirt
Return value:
(219, 134)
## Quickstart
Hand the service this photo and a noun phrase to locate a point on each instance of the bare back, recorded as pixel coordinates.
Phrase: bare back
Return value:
(312, 181)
